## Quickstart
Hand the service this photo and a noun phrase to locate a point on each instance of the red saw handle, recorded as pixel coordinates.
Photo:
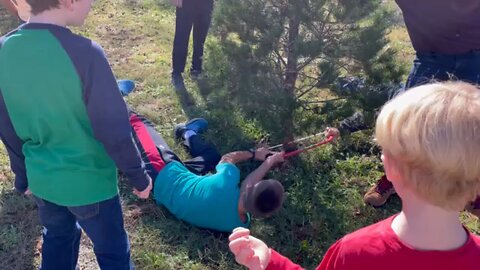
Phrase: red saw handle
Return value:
(298, 151)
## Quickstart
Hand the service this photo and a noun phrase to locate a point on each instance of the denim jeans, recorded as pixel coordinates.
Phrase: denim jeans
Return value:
(429, 67)
(62, 228)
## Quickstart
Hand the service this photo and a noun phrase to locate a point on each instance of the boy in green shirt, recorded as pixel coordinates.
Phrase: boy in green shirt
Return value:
(63, 138)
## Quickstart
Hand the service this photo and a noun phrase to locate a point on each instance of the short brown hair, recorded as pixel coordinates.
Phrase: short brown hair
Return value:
(264, 199)
(432, 132)
(39, 6)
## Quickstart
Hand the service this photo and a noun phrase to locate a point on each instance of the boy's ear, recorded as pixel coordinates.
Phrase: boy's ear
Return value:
(391, 167)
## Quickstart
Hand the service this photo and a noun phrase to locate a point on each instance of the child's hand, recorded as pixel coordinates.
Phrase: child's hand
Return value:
(27, 192)
(248, 250)
(146, 192)
(332, 132)
(177, 3)
(277, 157)
(261, 153)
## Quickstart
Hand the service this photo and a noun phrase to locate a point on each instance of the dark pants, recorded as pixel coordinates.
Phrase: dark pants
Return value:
(196, 14)
(204, 155)
(429, 67)
(102, 222)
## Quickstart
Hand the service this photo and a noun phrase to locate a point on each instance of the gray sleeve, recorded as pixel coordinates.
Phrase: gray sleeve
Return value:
(109, 118)
(14, 145)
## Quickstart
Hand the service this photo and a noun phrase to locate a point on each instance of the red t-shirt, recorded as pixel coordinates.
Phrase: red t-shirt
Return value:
(377, 247)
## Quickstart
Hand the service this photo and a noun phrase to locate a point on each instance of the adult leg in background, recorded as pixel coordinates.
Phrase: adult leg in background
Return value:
(183, 27)
(427, 67)
(201, 25)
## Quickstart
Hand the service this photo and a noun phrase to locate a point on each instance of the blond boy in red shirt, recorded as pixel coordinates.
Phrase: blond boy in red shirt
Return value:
(431, 145)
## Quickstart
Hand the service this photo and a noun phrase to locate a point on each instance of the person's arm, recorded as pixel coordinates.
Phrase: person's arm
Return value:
(10, 6)
(240, 156)
(257, 175)
(17, 164)
(254, 254)
(14, 145)
(329, 261)
(236, 157)
(279, 262)
(352, 123)
(110, 121)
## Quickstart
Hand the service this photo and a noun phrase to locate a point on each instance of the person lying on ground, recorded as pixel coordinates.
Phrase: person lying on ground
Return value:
(430, 152)
(217, 201)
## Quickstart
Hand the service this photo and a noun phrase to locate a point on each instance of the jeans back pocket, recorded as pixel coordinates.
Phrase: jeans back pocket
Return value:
(85, 211)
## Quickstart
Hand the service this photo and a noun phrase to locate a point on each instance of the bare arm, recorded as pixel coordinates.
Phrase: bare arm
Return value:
(10, 6)
(236, 157)
(258, 174)
(239, 156)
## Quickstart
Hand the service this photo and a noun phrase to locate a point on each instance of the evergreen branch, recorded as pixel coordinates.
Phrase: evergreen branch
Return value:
(279, 56)
(310, 88)
(324, 101)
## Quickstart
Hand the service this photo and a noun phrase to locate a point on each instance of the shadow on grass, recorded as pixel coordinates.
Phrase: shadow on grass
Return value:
(185, 99)
(226, 125)
(19, 231)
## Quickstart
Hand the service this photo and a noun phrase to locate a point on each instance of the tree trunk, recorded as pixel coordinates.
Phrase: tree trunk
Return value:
(291, 75)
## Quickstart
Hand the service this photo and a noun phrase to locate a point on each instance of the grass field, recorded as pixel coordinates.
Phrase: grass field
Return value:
(324, 188)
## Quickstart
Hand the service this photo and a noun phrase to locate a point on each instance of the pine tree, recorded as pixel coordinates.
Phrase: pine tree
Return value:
(277, 53)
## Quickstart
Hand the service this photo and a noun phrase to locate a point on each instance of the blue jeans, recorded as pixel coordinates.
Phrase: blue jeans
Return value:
(429, 67)
(102, 222)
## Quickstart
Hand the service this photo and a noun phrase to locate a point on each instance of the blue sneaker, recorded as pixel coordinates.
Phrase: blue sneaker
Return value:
(198, 125)
(125, 86)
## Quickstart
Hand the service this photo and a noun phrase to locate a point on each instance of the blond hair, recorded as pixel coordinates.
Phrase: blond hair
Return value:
(433, 133)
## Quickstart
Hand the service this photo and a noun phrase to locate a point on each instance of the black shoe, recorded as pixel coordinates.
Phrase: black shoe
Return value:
(177, 81)
(197, 75)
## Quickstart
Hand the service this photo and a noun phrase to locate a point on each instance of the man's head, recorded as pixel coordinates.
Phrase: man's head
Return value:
(430, 136)
(264, 198)
(72, 12)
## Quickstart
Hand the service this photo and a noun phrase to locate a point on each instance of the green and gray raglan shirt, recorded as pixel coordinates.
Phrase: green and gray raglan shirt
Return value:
(62, 118)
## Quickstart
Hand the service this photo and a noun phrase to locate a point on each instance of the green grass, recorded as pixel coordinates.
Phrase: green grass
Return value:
(324, 187)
